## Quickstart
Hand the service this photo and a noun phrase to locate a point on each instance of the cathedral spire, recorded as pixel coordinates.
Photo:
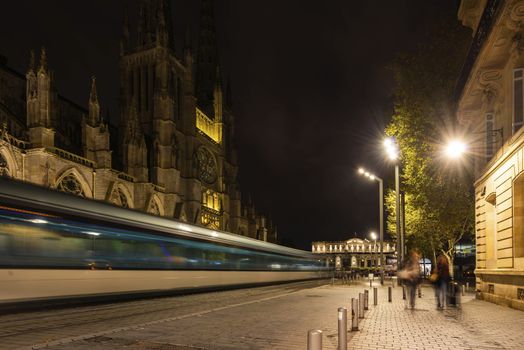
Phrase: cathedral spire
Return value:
(43, 60)
(155, 24)
(94, 106)
(31, 61)
(207, 58)
(188, 49)
(217, 96)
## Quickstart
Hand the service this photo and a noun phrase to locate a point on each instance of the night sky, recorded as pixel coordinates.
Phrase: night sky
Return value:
(311, 87)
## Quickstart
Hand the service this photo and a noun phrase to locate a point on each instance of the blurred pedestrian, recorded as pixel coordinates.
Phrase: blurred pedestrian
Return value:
(442, 280)
(410, 276)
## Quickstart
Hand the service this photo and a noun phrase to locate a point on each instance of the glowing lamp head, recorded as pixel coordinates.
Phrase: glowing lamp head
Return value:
(373, 235)
(455, 149)
(372, 177)
(391, 148)
(361, 170)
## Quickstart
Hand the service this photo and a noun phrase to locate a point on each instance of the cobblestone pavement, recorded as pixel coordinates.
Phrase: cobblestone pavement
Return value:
(276, 317)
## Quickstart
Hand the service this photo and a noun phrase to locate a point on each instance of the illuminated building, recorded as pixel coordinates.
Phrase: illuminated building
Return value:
(491, 106)
(171, 152)
(354, 253)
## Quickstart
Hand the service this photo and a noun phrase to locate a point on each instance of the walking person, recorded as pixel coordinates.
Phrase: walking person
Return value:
(442, 281)
(410, 276)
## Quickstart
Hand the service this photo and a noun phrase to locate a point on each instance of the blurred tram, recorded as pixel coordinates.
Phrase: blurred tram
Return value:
(55, 245)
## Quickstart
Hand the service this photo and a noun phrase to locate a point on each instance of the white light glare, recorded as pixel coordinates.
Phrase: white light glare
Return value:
(455, 149)
(92, 233)
(372, 177)
(391, 148)
(214, 234)
(373, 235)
(361, 170)
(38, 221)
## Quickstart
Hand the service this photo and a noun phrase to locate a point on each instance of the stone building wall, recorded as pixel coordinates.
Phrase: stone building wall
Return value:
(491, 91)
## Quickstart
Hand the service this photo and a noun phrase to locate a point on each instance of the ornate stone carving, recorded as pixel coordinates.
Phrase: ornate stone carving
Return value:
(153, 207)
(119, 198)
(4, 167)
(516, 16)
(70, 184)
(206, 165)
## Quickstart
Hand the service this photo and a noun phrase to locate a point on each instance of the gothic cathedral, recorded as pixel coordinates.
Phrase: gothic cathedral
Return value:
(172, 152)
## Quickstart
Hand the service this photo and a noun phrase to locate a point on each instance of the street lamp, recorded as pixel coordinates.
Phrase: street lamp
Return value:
(373, 236)
(372, 177)
(455, 149)
(393, 153)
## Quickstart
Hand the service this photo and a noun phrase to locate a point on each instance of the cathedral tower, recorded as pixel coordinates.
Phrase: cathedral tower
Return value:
(39, 96)
(95, 133)
(207, 60)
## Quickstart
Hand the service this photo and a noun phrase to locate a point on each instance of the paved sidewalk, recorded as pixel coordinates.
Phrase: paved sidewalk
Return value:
(282, 321)
(474, 325)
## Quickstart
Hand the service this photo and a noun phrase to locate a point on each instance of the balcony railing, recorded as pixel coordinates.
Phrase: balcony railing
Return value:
(486, 22)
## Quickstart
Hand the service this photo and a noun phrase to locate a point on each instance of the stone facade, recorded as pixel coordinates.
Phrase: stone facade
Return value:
(490, 98)
(172, 152)
(354, 253)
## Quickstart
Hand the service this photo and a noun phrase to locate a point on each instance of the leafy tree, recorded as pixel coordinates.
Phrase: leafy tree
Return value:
(439, 199)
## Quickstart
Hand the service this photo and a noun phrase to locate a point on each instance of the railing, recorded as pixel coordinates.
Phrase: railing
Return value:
(126, 177)
(159, 188)
(208, 127)
(70, 156)
(486, 22)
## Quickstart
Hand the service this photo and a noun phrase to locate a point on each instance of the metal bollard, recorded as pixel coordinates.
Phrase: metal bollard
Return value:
(342, 328)
(354, 314)
(467, 286)
(360, 305)
(366, 299)
(314, 340)
(375, 294)
(419, 291)
(463, 288)
(389, 294)
(403, 293)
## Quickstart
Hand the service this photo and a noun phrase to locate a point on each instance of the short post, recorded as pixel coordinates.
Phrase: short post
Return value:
(370, 283)
(403, 293)
(314, 339)
(389, 294)
(467, 286)
(366, 299)
(375, 299)
(360, 305)
(463, 288)
(342, 328)
(354, 314)
(419, 291)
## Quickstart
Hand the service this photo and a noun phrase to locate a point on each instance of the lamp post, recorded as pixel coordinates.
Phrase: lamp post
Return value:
(373, 236)
(372, 177)
(393, 154)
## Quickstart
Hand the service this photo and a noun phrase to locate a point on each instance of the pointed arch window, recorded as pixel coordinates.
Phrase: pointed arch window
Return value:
(153, 208)
(119, 198)
(70, 184)
(4, 167)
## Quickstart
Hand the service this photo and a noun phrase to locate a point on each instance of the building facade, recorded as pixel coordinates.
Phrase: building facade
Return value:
(490, 98)
(354, 253)
(172, 152)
